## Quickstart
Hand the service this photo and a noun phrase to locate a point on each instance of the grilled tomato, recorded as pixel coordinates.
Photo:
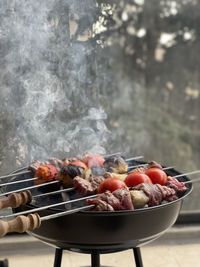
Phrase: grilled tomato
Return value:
(136, 178)
(157, 176)
(111, 184)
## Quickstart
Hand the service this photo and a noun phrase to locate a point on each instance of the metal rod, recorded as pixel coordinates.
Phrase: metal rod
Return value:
(54, 192)
(48, 206)
(192, 181)
(146, 164)
(187, 173)
(18, 182)
(28, 171)
(138, 157)
(14, 174)
(35, 178)
(63, 213)
(28, 188)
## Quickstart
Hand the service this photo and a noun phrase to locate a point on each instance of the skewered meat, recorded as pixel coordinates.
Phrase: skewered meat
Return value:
(124, 197)
(157, 193)
(118, 200)
(68, 173)
(110, 199)
(85, 187)
(138, 197)
(100, 205)
(178, 186)
(116, 164)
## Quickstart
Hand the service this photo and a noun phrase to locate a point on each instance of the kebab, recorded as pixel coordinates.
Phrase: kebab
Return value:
(54, 172)
(142, 195)
(66, 170)
(85, 189)
(82, 186)
(120, 199)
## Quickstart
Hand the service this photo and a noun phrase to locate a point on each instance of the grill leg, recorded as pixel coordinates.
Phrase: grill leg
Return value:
(138, 257)
(58, 257)
(95, 259)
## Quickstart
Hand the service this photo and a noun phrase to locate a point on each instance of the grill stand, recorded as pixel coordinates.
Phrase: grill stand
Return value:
(95, 258)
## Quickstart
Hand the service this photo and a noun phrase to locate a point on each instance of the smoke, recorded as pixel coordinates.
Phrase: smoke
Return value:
(49, 91)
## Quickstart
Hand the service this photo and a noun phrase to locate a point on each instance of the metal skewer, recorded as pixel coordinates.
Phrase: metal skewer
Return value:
(35, 178)
(27, 196)
(47, 207)
(134, 158)
(63, 213)
(19, 181)
(146, 164)
(29, 188)
(28, 171)
(22, 223)
(14, 174)
(52, 182)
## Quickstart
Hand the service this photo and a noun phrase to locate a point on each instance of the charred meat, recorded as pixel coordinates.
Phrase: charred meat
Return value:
(118, 200)
(68, 173)
(178, 186)
(85, 187)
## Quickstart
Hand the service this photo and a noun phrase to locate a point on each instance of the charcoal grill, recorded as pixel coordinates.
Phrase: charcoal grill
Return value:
(104, 232)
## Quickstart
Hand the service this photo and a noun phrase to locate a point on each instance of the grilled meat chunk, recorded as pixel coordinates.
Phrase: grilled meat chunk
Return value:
(119, 200)
(100, 205)
(124, 197)
(68, 173)
(178, 186)
(157, 193)
(85, 187)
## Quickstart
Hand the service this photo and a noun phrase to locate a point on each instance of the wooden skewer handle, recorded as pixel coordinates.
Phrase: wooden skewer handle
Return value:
(15, 200)
(20, 224)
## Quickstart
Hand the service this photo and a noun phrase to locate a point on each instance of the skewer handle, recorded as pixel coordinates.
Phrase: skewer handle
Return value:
(20, 224)
(15, 200)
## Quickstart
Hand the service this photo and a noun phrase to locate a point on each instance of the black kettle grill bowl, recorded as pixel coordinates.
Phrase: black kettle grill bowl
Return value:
(87, 230)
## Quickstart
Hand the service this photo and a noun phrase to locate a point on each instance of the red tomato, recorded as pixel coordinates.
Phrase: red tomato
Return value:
(94, 160)
(111, 184)
(136, 178)
(78, 163)
(157, 176)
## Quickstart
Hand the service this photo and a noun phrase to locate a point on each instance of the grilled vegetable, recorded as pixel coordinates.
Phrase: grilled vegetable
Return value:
(111, 184)
(46, 173)
(136, 178)
(115, 175)
(139, 198)
(156, 175)
(116, 164)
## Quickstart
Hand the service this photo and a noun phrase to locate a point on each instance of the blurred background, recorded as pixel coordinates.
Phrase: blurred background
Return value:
(100, 76)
